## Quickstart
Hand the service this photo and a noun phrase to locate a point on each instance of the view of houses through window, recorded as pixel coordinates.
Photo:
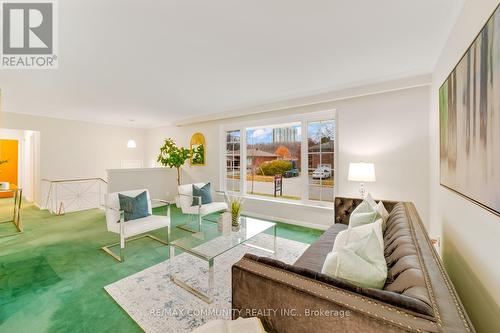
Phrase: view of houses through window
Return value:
(232, 175)
(273, 166)
(273, 152)
(320, 148)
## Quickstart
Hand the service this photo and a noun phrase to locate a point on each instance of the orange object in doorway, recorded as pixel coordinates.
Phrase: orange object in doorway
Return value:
(9, 151)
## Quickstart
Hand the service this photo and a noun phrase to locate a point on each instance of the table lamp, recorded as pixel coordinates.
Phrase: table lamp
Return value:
(361, 172)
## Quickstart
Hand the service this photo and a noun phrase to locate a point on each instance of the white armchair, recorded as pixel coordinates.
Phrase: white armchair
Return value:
(186, 202)
(115, 222)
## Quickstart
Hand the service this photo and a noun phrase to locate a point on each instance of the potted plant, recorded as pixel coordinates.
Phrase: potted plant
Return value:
(198, 155)
(173, 157)
(236, 206)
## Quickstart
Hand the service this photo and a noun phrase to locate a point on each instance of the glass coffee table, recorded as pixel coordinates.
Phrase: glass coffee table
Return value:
(210, 243)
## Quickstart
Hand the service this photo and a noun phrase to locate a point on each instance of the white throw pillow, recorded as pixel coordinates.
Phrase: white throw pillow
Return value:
(379, 207)
(382, 211)
(341, 240)
(360, 262)
(370, 200)
(364, 213)
(356, 233)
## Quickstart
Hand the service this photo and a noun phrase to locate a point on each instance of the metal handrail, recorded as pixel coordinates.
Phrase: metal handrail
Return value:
(73, 180)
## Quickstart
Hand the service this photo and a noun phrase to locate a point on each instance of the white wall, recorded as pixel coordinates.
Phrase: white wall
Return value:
(387, 126)
(74, 149)
(157, 180)
(470, 234)
(390, 129)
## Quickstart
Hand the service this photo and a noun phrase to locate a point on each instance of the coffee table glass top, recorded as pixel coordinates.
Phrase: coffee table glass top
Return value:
(210, 242)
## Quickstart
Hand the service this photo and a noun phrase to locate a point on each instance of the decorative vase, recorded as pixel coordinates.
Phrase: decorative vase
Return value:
(235, 220)
(235, 208)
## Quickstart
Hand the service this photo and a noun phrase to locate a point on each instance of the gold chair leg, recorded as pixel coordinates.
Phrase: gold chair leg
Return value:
(185, 227)
(121, 258)
(108, 251)
(156, 239)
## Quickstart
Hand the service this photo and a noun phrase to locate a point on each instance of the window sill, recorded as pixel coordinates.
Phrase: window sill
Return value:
(299, 203)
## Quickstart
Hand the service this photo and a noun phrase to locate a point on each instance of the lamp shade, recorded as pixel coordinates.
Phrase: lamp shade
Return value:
(361, 172)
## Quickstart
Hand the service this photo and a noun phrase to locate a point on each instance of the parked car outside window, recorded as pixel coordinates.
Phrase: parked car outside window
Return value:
(322, 172)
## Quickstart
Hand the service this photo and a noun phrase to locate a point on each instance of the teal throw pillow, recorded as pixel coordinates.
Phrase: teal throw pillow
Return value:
(204, 192)
(134, 208)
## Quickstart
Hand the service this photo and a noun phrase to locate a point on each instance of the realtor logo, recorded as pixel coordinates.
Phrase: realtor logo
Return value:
(28, 34)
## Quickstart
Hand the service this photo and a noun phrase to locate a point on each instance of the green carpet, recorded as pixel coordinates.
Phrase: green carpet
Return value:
(52, 276)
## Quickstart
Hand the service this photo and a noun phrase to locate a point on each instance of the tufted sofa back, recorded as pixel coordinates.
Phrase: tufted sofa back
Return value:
(405, 274)
(345, 206)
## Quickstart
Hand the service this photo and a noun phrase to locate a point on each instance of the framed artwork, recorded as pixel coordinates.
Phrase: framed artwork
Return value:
(469, 119)
(198, 149)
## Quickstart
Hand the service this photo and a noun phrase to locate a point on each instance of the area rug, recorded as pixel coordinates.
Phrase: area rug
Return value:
(158, 305)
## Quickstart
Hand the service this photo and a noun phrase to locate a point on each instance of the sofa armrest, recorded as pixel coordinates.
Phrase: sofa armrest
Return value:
(289, 302)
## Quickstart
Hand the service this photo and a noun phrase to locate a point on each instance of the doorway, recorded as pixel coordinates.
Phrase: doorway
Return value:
(18, 160)
(9, 168)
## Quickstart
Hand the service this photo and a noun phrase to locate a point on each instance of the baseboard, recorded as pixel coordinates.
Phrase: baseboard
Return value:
(288, 221)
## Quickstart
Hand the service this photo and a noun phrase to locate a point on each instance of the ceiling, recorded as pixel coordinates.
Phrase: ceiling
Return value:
(151, 62)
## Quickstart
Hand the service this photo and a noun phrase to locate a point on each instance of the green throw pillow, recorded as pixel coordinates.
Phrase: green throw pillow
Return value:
(363, 214)
(204, 192)
(134, 208)
(361, 262)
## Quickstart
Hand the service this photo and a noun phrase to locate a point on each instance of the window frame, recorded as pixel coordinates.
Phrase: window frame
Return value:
(233, 155)
(320, 154)
(304, 120)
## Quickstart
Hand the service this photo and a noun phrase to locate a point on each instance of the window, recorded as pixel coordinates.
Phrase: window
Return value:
(274, 151)
(320, 151)
(291, 159)
(233, 155)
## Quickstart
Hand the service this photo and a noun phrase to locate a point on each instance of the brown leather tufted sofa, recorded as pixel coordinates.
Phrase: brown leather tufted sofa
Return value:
(418, 295)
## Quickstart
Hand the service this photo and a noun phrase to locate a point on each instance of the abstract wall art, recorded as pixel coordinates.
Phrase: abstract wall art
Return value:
(469, 117)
